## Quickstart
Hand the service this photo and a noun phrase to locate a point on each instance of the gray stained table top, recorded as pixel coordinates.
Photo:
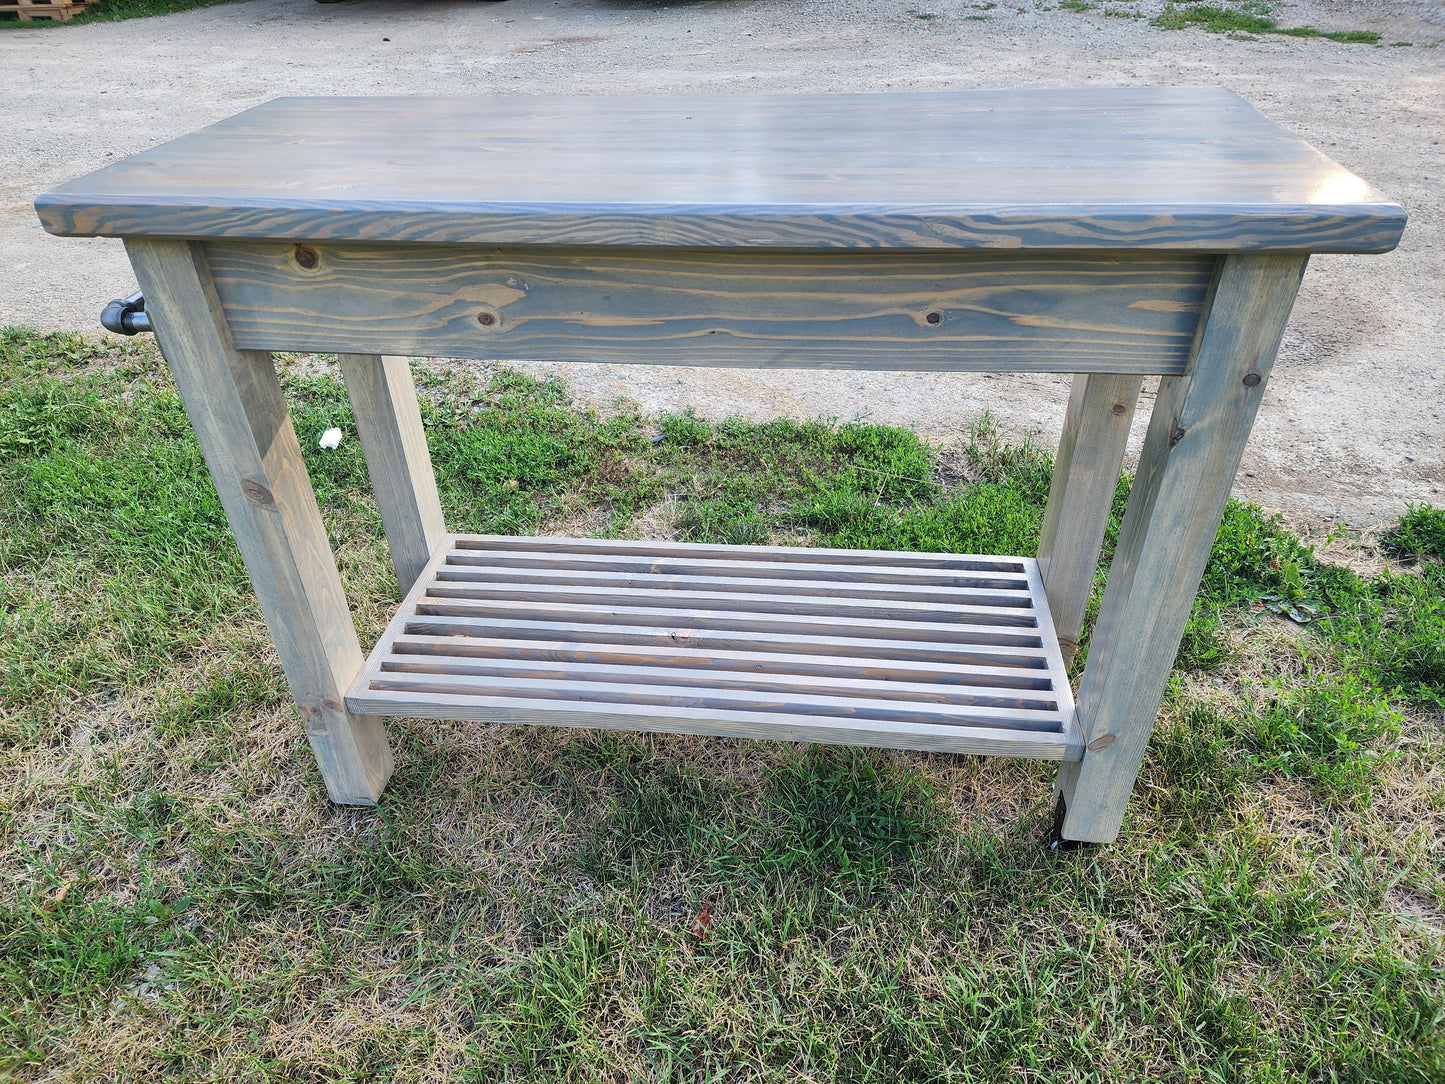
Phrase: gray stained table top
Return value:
(1193, 168)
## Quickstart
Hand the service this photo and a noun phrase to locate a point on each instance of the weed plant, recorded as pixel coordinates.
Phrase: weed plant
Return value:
(1249, 17)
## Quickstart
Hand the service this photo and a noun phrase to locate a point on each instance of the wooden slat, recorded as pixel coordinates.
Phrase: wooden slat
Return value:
(1165, 168)
(987, 628)
(1052, 650)
(659, 677)
(1001, 741)
(758, 662)
(965, 711)
(1016, 594)
(1046, 312)
(982, 647)
(502, 562)
(769, 555)
(991, 608)
(616, 651)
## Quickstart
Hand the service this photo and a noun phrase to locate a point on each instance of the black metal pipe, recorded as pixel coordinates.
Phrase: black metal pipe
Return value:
(126, 316)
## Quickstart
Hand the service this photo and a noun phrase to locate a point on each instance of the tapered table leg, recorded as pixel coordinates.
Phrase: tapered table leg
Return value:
(235, 405)
(1086, 470)
(1196, 437)
(383, 399)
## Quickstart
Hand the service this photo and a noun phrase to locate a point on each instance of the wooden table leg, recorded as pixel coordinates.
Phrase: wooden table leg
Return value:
(1196, 437)
(383, 398)
(1086, 470)
(235, 405)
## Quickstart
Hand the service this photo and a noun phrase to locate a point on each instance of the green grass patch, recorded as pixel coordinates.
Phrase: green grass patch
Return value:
(1249, 18)
(847, 813)
(1420, 533)
(1326, 728)
(178, 901)
(74, 951)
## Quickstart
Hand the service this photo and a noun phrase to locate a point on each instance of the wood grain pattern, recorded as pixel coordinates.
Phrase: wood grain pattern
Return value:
(958, 311)
(629, 648)
(1136, 167)
(1196, 437)
(388, 420)
(1086, 470)
(235, 405)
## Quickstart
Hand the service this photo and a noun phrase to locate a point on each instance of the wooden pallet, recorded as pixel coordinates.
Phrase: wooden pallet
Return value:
(917, 651)
(30, 10)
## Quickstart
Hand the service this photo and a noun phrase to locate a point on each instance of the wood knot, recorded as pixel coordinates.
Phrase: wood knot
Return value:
(330, 703)
(1177, 435)
(306, 258)
(257, 492)
(1120, 408)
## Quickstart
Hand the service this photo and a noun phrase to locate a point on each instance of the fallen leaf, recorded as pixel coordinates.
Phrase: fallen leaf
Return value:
(57, 899)
(702, 922)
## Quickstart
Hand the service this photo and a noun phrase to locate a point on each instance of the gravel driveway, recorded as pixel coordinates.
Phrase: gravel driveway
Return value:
(1350, 427)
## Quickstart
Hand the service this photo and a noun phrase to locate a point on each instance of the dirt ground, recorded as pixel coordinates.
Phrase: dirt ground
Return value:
(1350, 427)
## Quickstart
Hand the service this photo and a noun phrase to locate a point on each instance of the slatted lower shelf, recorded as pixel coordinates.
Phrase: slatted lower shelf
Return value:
(928, 651)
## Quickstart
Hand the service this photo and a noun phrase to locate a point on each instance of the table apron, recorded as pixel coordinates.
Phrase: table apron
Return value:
(1090, 312)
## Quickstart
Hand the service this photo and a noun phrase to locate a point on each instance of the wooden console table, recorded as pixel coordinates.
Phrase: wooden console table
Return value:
(1109, 233)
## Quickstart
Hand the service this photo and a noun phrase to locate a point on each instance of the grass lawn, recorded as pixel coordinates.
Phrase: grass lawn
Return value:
(178, 901)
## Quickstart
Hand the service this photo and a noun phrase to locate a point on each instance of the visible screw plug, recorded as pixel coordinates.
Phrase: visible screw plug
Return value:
(934, 317)
(1251, 380)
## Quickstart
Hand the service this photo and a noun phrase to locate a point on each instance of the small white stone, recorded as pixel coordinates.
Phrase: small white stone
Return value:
(330, 439)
